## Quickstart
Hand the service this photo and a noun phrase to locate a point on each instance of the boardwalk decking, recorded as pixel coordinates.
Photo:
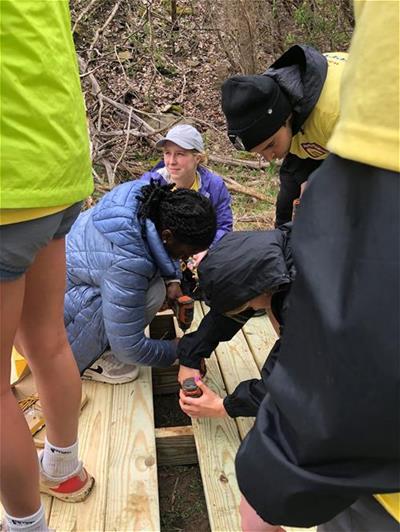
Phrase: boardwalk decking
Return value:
(120, 445)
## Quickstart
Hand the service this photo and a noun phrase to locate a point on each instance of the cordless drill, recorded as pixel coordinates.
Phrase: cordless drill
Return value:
(183, 309)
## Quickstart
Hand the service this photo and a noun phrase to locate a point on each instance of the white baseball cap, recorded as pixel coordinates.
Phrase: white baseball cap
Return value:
(184, 136)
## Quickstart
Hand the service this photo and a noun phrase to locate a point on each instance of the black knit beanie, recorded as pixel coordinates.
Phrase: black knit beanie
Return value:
(255, 108)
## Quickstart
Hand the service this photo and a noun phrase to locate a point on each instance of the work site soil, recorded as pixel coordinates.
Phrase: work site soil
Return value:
(182, 503)
(146, 65)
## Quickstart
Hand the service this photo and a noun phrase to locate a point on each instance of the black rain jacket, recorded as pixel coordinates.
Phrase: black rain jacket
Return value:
(243, 265)
(328, 431)
(300, 72)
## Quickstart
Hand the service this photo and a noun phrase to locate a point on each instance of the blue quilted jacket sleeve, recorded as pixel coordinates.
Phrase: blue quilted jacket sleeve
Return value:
(124, 294)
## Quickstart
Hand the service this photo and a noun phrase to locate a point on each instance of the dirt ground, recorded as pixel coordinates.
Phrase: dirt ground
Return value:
(182, 503)
(167, 412)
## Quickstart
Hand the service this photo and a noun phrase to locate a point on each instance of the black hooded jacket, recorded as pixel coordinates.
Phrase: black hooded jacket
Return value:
(242, 266)
(301, 73)
(327, 431)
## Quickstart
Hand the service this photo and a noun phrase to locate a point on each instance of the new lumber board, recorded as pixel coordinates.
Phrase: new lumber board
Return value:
(132, 497)
(237, 364)
(217, 441)
(261, 337)
(176, 446)
(94, 428)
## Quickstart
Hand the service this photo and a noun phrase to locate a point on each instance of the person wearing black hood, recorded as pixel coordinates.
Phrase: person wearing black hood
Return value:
(325, 447)
(288, 113)
(246, 271)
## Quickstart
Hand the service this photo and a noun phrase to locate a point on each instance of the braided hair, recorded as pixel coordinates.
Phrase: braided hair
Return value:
(187, 214)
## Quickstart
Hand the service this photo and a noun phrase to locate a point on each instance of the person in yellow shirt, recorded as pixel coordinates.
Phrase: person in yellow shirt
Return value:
(288, 113)
(325, 447)
(45, 175)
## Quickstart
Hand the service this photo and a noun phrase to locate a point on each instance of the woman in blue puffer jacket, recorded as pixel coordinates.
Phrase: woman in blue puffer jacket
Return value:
(120, 256)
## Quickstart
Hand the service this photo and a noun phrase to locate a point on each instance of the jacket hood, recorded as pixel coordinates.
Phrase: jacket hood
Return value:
(245, 264)
(300, 72)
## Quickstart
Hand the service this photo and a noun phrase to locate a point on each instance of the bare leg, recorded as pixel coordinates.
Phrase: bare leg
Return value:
(42, 339)
(19, 478)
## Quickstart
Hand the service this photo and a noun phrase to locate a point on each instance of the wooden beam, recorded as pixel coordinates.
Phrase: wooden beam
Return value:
(94, 441)
(217, 440)
(132, 498)
(237, 364)
(261, 337)
(163, 326)
(176, 446)
(165, 380)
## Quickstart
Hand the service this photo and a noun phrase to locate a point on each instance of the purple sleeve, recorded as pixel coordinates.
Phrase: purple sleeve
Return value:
(224, 212)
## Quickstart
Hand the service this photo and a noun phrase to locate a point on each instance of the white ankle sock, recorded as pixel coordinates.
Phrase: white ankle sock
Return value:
(60, 462)
(31, 523)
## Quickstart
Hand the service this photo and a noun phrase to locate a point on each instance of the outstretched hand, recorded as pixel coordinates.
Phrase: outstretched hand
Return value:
(209, 404)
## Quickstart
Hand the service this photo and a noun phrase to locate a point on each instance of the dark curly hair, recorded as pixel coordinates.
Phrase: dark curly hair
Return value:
(187, 214)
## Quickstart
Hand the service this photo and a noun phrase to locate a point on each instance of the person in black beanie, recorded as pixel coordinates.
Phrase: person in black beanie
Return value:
(288, 113)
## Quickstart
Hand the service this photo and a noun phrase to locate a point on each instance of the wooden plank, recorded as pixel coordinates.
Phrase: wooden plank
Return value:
(261, 337)
(176, 446)
(165, 380)
(237, 364)
(132, 498)
(217, 441)
(94, 437)
(163, 326)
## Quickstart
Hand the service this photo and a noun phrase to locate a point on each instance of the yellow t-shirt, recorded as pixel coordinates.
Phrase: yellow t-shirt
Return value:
(14, 216)
(368, 128)
(196, 183)
(391, 503)
(311, 142)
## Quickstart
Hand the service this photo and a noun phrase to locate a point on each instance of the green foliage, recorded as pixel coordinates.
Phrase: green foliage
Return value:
(264, 180)
(321, 23)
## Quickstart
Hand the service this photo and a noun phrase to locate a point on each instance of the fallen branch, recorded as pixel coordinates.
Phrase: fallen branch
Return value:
(254, 219)
(136, 119)
(238, 162)
(82, 14)
(101, 30)
(125, 147)
(109, 171)
(241, 189)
